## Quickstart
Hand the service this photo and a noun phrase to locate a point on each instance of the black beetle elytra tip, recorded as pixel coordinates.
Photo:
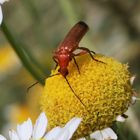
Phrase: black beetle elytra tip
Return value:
(82, 24)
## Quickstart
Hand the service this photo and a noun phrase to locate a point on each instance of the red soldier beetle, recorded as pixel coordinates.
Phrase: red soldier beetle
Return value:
(65, 52)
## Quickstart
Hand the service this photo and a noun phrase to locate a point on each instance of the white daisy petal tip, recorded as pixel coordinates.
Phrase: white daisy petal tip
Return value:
(76, 121)
(106, 133)
(40, 126)
(24, 130)
(82, 139)
(2, 1)
(13, 135)
(2, 137)
(53, 134)
(111, 134)
(133, 100)
(1, 15)
(132, 79)
(96, 135)
(64, 135)
(72, 125)
(120, 118)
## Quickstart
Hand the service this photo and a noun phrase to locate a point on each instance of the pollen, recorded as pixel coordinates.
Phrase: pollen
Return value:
(103, 87)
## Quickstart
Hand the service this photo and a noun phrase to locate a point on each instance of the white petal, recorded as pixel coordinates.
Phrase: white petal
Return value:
(120, 118)
(13, 135)
(40, 126)
(2, 1)
(109, 133)
(2, 137)
(105, 135)
(53, 134)
(97, 135)
(64, 135)
(82, 139)
(25, 130)
(133, 100)
(1, 15)
(132, 79)
(72, 125)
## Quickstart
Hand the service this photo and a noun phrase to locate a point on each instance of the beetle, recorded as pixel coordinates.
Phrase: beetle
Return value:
(65, 51)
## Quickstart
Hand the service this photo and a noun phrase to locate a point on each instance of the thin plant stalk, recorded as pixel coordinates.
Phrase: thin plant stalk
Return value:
(25, 59)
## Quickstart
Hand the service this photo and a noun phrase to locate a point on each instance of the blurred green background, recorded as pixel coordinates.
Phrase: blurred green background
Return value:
(39, 26)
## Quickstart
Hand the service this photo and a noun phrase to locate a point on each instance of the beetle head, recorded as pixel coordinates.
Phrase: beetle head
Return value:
(63, 71)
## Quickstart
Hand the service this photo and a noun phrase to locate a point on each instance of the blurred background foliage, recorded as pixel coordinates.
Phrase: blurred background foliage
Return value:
(37, 28)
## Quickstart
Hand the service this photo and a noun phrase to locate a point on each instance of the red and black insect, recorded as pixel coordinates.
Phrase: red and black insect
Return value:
(66, 51)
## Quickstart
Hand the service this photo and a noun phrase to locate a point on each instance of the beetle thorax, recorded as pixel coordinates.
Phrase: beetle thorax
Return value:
(63, 58)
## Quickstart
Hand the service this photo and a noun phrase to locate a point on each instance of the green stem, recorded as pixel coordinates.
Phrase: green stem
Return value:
(37, 27)
(21, 52)
(41, 71)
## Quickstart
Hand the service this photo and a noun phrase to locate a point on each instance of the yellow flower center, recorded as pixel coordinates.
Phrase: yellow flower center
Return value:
(103, 88)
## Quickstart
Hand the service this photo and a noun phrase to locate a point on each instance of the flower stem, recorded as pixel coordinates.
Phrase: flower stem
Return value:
(22, 54)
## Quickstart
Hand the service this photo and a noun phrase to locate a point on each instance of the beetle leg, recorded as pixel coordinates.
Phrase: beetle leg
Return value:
(56, 63)
(76, 63)
(76, 95)
(56, 66)
(86, 50)
(81, 53)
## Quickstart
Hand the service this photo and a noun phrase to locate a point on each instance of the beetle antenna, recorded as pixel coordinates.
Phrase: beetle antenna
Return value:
(42, 80)
(75, 93)
(33, 85)
(67, 83)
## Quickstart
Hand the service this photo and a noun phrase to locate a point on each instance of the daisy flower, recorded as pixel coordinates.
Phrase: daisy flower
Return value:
(26, 131)
(1, 15)
(106, 91)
